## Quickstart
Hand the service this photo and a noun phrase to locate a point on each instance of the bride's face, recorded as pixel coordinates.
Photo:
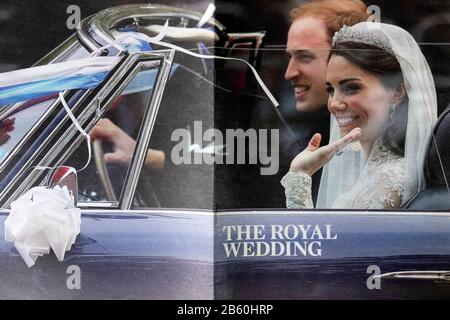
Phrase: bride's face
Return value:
(357, 99)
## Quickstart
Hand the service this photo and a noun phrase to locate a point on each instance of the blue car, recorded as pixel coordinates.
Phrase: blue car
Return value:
(162, 221)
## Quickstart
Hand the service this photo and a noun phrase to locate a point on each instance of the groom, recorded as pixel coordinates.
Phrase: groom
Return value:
(308, 44)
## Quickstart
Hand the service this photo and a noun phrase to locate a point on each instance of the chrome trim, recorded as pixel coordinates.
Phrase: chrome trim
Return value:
(102, 23)
(33, 175)
(60, 51)
(433, 275)
(92, 108)
(62, 142)
(148, 212)
(147, 127)
(332, 212)
(171, 214)
(210, 212)
(50, 109)
(39, 150)
(46, 160)
(285, 212)
(99, 159)
(275, 212)
(235, 39)
(95, 204)
(27, 135)
(257, 36)
(84, 36)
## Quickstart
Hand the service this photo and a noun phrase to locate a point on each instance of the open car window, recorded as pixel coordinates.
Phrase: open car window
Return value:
(54, 137)
(18, 124)
(105, 183)
(180, 181)
(18, 120)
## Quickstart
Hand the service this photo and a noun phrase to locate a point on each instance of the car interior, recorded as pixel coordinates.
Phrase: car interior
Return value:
(436, 195)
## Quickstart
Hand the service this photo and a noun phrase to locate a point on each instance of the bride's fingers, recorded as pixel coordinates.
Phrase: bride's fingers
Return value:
(348, 138)
(314, 143)
(341, 143)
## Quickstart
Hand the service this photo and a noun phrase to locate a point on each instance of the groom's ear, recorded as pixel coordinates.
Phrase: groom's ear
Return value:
(399, 93)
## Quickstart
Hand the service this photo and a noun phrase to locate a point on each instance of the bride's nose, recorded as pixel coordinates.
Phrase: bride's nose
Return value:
(335, 103)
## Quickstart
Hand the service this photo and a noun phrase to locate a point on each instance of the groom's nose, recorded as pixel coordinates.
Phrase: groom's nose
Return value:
(292, 71)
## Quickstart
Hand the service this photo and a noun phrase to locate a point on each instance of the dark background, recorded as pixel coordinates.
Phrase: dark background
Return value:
(31, 28)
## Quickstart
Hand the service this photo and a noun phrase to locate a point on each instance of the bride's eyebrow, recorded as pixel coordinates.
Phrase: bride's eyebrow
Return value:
(344, 81)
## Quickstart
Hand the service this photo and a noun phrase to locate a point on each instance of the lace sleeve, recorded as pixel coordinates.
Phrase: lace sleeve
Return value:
(384, 191)
(297, 190)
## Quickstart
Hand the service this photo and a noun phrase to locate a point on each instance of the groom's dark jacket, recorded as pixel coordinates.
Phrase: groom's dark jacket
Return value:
(304, 126)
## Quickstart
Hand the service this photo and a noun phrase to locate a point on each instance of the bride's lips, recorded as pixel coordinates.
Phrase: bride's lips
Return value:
(345, 121)
(301, 91)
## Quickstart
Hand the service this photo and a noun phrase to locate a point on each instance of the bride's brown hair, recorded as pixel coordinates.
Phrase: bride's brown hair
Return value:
(386, 68)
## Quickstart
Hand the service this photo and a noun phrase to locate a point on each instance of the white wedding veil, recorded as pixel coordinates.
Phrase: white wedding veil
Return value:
(342, 171)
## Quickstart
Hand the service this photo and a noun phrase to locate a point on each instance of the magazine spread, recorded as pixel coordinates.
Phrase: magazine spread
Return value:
(224, 150)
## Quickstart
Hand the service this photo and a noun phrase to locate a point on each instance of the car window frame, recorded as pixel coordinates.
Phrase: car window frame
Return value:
(95, 105)
(166, 57)
(59, 54)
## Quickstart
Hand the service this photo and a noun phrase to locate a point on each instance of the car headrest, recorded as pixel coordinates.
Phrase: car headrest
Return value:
(437, 167)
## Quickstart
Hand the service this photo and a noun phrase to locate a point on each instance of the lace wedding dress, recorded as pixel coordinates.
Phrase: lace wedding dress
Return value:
(379, 186)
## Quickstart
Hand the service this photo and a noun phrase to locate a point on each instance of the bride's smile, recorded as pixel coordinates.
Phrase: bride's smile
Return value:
(346, 120)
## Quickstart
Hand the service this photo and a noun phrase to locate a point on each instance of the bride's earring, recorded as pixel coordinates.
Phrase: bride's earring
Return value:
(392, 109)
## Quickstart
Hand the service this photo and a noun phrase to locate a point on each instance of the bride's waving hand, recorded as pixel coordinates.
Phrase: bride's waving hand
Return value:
(315, 157)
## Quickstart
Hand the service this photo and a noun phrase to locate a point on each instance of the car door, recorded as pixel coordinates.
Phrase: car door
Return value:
(266, 252)
(332, 255)
(120, 253)
(145, 234)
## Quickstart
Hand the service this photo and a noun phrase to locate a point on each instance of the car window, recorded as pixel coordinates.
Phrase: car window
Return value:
(17, 120)
(187, 104)
(15, 126)
(251, 178)
(103, 181)
(71, 49)
(203, 99)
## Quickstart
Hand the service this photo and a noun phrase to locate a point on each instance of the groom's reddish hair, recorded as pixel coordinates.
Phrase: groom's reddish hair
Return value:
(335, 13)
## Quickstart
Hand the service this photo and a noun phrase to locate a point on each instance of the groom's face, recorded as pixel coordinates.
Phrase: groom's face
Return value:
(308, 45)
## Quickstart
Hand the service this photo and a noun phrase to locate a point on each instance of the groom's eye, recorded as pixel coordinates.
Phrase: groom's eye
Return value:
(304, 56)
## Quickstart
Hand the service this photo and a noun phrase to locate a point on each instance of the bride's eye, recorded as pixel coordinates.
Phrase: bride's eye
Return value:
(351, 88)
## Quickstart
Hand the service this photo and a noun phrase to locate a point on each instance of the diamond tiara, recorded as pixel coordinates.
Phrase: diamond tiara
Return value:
(378, 39)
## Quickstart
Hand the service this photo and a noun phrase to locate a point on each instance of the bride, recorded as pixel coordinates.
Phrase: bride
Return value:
(383, 105)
